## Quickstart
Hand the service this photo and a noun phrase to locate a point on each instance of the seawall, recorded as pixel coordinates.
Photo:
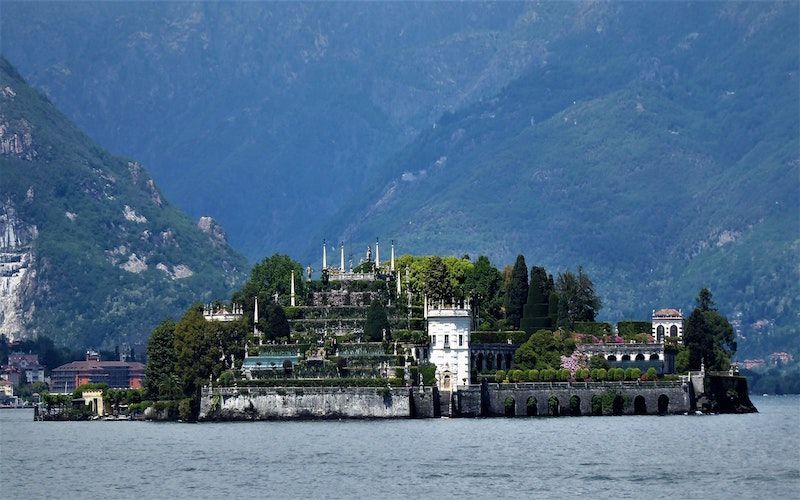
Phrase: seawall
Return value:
(275, 403)
(577, 398)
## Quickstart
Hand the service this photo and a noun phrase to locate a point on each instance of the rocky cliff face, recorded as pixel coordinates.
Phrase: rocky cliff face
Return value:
(91, 254)
(17, 273)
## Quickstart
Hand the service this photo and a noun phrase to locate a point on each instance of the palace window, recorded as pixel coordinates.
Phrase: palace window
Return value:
(460, 340)
(447, 340)
(433, 339)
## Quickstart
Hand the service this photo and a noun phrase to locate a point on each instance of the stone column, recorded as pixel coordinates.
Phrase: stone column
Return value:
(324, 255)
(292, 296)
(341, 257)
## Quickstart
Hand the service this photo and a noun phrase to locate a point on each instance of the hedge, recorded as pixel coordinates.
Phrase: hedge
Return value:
(327, 382)
(592, 328)
(631, 328)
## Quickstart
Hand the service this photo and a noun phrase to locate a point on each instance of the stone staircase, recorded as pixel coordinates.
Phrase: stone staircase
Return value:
(445, 406)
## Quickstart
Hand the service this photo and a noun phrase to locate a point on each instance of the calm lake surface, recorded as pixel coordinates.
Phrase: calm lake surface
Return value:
(720, 456)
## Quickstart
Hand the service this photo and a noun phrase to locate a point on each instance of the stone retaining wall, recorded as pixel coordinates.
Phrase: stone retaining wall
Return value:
(490, 399)
(275, 403)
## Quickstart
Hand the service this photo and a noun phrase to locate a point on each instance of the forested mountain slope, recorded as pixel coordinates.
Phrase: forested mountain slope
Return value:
(279, 111)
(656, 144)
(91, 253)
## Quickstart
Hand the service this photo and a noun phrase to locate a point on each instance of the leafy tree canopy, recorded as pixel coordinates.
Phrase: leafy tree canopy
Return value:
(543, 350)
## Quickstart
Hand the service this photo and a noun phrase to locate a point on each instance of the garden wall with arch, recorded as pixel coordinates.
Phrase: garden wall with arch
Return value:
(572, 399)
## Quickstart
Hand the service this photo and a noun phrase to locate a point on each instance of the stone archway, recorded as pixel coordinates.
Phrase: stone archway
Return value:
(660, 334)
(575, 406)
(640, 357)
(531, 407)
(626, 357)
(553, 407)
(654, 357)
(617, 405)
(663, 404)
(611, 357)
(509, 407)
(639, 405)
(479, 362)
(597, 405)
(500, 361)
(446, 381)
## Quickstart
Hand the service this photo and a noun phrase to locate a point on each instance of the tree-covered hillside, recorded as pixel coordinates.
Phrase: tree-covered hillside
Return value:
(656, 144)
(91, 253)
(279, 110)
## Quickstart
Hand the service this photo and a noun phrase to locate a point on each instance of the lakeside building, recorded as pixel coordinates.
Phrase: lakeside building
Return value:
(117, 374)
(27, 365)
(667, 323)
(448, 331)
(223, 313)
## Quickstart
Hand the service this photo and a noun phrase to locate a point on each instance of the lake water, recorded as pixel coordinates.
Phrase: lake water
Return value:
(720, 456)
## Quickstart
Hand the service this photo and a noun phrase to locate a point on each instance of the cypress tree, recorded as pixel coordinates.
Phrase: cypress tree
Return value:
(552, 306)
(535, 313)
(376, 322)
(517, 292)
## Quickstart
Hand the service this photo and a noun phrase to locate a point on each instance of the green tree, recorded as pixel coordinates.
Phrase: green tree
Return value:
(709, 336)
(535, 313)
(438, 286)
(4, 349)
(270, 276)
(160, 381)
(483, 283)
(577, 299)
(276, 326)
(516, 292)
(682, 360)
(543, 350)
(377, 323)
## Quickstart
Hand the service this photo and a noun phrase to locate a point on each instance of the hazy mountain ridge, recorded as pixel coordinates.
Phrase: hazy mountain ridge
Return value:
(92, 254)
(280, 108)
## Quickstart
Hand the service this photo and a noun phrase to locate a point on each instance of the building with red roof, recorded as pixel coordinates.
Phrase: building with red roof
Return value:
(117, 374)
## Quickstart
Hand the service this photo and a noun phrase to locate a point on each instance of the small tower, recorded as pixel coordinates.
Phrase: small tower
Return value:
(377, 254)
(341, 257)
(667, 323)
(448, 330)
(324, 255)
(391, 264)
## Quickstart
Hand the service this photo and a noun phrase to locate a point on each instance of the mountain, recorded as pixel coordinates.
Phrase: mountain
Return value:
(281, 110)
(91, 253)
(656, 144)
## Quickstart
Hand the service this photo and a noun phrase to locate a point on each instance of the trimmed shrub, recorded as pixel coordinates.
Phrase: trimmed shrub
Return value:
(651, 374)
(601, 374)
(533, 375)
(633, 374)
(563, 375)
(500, 376)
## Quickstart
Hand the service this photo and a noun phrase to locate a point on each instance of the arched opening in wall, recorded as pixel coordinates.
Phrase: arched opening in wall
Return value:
(597, 405)
(640, 357)
(287, 368)
(626, 357)
(531, 408)
(663, 404)
(654, 357)
(446, 381)
(479, 362)
(660, 334)
(509, 406)
(575, 406)
(673, 331)
(639, 405)
(552, 406)
(618, 405)
(611, 357)
(508, 360)
(489, 362)
(500, 361)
